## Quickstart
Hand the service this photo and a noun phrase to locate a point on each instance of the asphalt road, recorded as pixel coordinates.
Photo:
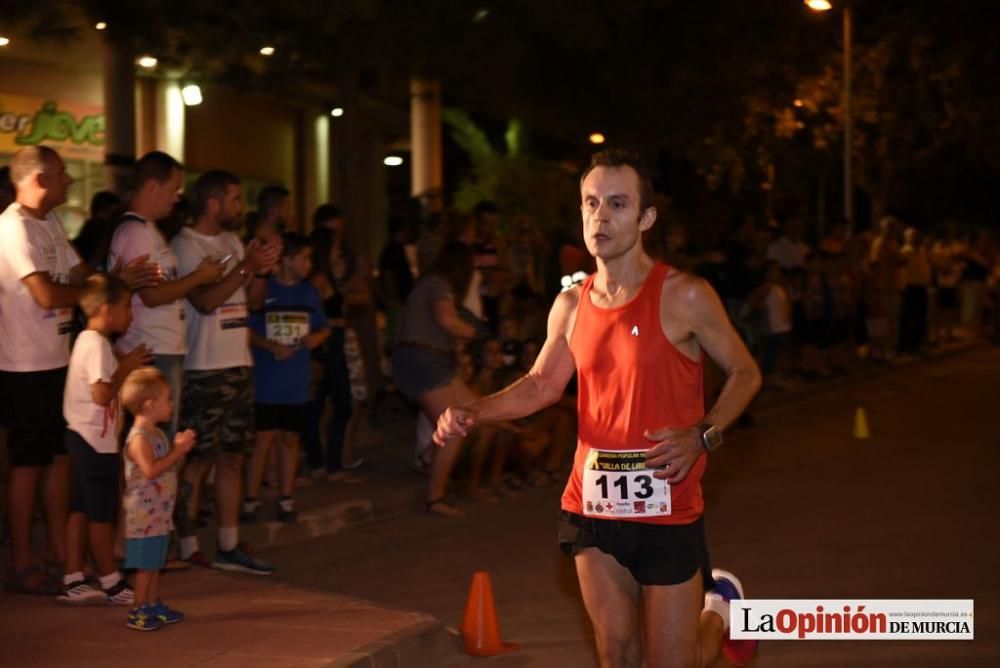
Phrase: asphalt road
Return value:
(796, 506)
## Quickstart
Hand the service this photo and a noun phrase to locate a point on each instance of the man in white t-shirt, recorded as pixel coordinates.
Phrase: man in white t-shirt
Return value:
(158, 310)
(40, 279)
(217, 399)
(40, 274)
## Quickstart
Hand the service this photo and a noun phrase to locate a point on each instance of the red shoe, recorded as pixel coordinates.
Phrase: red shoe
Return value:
(728, 586)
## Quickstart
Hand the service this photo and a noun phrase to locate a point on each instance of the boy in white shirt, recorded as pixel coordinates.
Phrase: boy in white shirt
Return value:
(91, 409)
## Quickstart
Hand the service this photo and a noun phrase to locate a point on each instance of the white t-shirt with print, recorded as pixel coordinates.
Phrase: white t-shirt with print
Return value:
(161, 327)
(32, 338)
(221, 339)
(92, 361)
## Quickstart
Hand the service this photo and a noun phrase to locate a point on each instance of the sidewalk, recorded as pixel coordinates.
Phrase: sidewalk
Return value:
(238, 621)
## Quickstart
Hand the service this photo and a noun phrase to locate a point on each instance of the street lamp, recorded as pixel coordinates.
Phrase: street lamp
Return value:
(822, 6)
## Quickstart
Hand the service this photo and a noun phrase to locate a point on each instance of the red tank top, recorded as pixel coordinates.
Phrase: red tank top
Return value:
(632, 378)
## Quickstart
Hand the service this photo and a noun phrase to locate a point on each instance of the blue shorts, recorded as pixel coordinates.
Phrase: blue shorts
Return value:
(146, 554)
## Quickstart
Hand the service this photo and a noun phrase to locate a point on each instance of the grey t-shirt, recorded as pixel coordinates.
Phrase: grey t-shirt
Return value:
(419, 325)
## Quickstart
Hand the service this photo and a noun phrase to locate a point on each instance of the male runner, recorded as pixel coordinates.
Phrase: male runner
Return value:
(635, 332)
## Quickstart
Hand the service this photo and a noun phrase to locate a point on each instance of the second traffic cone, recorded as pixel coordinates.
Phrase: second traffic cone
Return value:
(480, 627)
(861, 424)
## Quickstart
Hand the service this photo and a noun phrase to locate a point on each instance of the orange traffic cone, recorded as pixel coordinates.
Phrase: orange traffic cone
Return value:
(480, 628)
(861, 424)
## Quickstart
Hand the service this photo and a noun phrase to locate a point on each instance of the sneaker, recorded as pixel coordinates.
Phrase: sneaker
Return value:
(728, 586)
(286, 511)
(248, 514)
(198, 558)
(239, 561)
(143, 619)
(121, 594)
(165, 614)
(82, 593)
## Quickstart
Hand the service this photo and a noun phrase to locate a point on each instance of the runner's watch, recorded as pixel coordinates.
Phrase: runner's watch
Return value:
(711, 436)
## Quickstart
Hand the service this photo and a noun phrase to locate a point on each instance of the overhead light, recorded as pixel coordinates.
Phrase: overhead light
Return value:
(819, 5)
(191, 94)
(4, 41)
(596, 138)
(797, 103)
(267, 50)
(392, 161)
(337, 112)
(149, 62)
(100, 25)
(480, 15)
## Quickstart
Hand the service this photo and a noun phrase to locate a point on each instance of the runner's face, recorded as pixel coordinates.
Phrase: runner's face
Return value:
(612, 224)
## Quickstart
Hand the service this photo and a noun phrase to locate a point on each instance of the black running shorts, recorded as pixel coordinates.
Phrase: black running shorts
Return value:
(655, 554)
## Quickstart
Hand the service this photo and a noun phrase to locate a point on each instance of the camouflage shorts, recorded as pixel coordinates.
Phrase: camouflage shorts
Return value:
(219, 406)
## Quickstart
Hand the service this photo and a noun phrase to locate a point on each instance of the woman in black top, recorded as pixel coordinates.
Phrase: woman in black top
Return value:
(335, 384)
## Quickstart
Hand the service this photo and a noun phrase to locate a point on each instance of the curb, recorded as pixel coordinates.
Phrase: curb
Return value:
(424, 643)
(323, 521)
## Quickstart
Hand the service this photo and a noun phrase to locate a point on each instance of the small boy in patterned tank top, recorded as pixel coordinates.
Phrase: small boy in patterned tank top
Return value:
(150, 492)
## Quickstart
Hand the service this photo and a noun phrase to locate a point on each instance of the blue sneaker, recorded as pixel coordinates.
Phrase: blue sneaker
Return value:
(239, 561)
(165, 614)
(729, 587)
(143, 619)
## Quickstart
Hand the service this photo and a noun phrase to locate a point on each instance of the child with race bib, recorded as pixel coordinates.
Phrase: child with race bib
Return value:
(282, 333)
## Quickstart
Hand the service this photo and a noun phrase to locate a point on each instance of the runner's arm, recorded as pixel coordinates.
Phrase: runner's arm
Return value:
(545, 383)
(715, 334)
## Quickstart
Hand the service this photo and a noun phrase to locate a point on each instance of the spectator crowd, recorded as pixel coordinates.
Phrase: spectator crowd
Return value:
(177, 342)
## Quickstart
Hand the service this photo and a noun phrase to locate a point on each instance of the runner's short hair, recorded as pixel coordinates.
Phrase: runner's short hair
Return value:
(616, 157)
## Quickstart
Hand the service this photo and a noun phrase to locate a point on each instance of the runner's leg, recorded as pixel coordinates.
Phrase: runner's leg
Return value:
(678, 632)
(611, 595)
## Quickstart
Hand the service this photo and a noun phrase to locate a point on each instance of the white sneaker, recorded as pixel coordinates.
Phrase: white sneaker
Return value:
(121, 594)
(82, 593)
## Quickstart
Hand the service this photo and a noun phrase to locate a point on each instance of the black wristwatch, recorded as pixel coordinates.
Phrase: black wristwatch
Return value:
(711, 436)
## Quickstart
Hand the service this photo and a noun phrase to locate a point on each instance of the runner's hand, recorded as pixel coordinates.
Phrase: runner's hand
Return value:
(674, 452)
(453, 422)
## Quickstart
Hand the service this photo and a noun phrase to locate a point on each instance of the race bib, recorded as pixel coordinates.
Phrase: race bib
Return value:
(232, 316)
(286, 327)
(616, 483)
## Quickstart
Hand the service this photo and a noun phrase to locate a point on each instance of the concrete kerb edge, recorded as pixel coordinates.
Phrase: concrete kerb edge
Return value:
(420, 644)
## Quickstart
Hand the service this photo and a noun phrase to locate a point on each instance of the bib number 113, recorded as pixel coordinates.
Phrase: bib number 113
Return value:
(643, 488)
